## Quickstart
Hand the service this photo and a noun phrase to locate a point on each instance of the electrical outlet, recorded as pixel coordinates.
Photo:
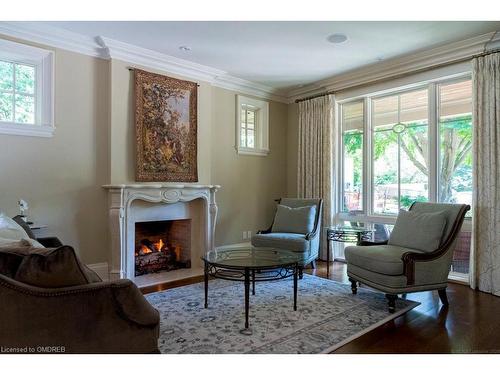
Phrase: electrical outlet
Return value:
(244, 235)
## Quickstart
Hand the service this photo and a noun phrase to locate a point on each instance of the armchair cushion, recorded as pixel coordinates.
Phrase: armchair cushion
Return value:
(288, 241)
(294, 220)
(52, 268)
(418, 230)
(382, 259)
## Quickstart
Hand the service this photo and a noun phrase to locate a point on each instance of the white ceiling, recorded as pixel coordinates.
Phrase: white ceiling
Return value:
(282, 55)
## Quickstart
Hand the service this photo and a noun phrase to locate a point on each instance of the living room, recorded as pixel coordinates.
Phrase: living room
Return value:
(293, 185)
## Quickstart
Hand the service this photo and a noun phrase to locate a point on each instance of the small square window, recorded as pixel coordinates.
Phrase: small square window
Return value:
(252, 126)
(26, 86)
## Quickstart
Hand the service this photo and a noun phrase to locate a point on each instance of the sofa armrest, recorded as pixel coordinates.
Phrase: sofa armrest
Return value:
(133, 306)
(417, 263)
(50, 241)
(265, 231)
(105, 317)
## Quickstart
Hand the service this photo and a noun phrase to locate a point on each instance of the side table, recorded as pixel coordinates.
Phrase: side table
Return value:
(345, 234)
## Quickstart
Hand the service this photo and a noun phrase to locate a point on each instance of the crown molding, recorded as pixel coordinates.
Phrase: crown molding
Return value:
(107, 48)
(404, 64)
(156, 60)
(52, 36)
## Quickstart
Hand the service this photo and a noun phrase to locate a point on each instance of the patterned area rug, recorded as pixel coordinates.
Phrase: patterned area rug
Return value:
(327, 317)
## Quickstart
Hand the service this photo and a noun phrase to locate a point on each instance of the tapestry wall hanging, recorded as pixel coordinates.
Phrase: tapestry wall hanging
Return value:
(166, 128)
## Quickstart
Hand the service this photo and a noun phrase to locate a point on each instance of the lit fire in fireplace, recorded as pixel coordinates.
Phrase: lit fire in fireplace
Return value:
(148, 247)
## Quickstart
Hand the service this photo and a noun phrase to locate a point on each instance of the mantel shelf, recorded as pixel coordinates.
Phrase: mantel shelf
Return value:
(160, 186)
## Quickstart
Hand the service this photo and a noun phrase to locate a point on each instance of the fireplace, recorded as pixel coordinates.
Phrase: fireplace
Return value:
(162, 246)
(192, 205)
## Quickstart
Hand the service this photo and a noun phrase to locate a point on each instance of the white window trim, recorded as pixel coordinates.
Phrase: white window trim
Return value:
(43, 60)
(261, 126)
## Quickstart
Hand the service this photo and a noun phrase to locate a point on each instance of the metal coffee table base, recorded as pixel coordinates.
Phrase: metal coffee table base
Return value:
(247, 275)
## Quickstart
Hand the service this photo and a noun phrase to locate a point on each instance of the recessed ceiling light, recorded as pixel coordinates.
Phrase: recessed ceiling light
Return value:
(337, 38)
(185, 48)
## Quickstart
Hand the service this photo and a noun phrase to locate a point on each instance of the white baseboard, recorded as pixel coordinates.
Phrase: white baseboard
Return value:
(101, 269)
(234, 245)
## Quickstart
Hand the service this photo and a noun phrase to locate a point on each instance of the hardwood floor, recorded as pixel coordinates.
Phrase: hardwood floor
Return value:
(469, 325)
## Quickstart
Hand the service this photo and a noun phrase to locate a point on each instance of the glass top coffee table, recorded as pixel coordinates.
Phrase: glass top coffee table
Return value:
(251, 264)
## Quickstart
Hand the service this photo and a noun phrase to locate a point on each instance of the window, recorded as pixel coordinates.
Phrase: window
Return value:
(455, 142)
(247, 136)
(407, 145)
(400, 151)
(17, 93)
(352, 148)
(25, 90)
(252, 128)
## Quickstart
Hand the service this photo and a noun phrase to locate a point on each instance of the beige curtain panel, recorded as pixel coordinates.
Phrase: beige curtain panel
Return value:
(485, 267)
(316, 155)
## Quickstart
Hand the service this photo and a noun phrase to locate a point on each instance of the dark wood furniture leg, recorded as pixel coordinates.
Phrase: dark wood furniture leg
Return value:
(354, 286)
(247, 295)
(206, 286)
(253, 282)
(295, 288)
(391, 298)
(301, 273)
(443, 297)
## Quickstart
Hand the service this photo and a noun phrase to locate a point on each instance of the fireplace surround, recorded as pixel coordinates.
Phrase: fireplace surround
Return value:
(133, 204)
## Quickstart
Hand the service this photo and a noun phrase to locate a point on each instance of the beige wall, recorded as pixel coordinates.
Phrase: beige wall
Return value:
(94, 144)
(249, 183)
(122, 145)
(61, 177)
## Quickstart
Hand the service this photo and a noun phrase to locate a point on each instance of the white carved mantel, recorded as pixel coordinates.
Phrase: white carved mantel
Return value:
(122, 226)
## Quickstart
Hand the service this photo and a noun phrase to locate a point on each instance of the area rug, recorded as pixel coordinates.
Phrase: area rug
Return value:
(327, 317)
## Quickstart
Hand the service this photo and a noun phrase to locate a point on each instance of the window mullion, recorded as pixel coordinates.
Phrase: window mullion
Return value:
(14, 92)
(433, 143)
(367, 157)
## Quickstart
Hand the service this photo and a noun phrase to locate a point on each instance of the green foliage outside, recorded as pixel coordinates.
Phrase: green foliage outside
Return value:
(455, 154)
(21, 90)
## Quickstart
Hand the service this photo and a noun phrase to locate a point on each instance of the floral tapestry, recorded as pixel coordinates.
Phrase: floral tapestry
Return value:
(166, 126)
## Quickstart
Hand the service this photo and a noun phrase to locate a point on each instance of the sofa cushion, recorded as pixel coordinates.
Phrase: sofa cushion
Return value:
(287, 241)
(370, 277)
(11, 256)
(384, 259)
(53, 268)
(294, 220)
(10, 229)
(19, 220)
(418, 230)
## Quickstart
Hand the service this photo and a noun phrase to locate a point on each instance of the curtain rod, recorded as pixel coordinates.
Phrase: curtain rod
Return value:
(314, 96)
(469, 58)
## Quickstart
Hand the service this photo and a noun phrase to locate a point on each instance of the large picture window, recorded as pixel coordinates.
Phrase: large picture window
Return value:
(410, 150)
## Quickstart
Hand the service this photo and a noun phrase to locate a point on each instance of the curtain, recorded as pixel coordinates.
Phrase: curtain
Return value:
(485, 267)
(315, 159)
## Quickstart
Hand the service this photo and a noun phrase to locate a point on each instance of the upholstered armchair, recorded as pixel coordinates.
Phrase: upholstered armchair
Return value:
(417, 257)
(294, 228)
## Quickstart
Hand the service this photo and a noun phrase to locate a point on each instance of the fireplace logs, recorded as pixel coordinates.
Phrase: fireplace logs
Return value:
(162, 246)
